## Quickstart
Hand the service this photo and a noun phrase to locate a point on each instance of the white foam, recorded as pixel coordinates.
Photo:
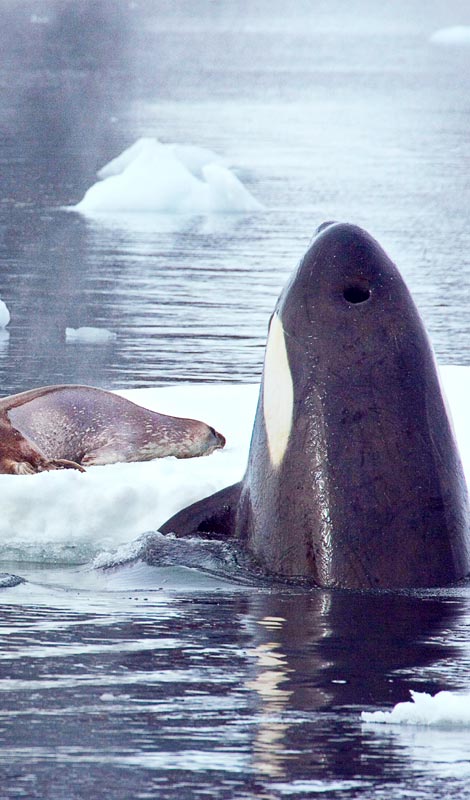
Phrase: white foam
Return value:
(89, 335)
(454, 35)
(444, 709)
(175, 179)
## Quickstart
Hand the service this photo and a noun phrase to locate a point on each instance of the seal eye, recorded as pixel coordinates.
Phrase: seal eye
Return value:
(356, 294)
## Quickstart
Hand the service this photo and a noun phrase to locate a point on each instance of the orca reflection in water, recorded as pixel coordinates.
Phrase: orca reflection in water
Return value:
(353, 477)
(336, 651)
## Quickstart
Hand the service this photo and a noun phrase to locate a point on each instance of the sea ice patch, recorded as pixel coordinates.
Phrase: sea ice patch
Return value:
(69, 517)
(445, 709)
(89, 335)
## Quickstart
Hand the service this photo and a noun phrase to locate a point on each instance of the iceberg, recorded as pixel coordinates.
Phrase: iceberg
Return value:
(166, 178)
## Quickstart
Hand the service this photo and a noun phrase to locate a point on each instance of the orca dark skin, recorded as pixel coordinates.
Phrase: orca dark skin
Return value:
(353, 478)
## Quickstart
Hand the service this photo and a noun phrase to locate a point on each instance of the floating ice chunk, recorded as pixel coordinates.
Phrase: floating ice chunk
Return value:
(153, 181)
(4, 315)
(195, 158)
(226, 192)
(150, 176)
(192, 157)
(36, 19)
(121, 162)
(89, 335)
(316, 788)
(445, 709)
(457, 34)
(109, 696)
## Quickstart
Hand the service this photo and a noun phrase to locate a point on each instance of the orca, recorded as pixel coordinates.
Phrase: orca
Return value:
(354, 479)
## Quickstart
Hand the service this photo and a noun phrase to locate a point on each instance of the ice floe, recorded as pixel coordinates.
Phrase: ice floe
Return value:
(70, 517)
(89, 335)
(444, 709)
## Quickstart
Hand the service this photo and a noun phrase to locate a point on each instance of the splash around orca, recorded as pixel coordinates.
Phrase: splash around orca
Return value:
(353, 478)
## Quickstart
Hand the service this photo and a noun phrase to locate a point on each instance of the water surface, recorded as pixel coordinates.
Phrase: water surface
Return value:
(175, 685)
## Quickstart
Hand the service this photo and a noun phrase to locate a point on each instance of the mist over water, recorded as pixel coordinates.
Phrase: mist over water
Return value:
(174, 682)
(323, 113)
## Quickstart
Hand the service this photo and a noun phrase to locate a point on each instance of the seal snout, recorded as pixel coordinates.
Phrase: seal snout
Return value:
(220, 439)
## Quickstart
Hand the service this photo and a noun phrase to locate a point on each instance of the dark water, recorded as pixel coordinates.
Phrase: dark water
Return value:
(249, 694)
(327, 110)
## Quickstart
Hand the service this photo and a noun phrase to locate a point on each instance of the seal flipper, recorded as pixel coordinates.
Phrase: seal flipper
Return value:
(210, 518)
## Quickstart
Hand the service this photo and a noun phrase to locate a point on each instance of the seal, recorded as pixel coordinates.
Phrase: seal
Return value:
(18, 456)
(60, 427)
(353, 478)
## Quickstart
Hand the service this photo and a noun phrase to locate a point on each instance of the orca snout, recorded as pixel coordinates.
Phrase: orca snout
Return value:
(324, 225)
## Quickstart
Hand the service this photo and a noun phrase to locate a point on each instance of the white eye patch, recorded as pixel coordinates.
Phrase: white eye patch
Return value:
(278, 392)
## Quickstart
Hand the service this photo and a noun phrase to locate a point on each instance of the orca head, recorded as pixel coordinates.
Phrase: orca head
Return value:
(333, 314)
(353, 464)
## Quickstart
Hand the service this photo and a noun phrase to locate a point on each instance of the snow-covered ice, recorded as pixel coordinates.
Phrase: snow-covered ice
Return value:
(167, 178)
(70, 517)
(444, 709)
(89, 335)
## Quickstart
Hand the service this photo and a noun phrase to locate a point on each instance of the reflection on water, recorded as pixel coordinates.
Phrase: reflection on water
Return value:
(268, 750)
(242, 695)
(323, 651)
